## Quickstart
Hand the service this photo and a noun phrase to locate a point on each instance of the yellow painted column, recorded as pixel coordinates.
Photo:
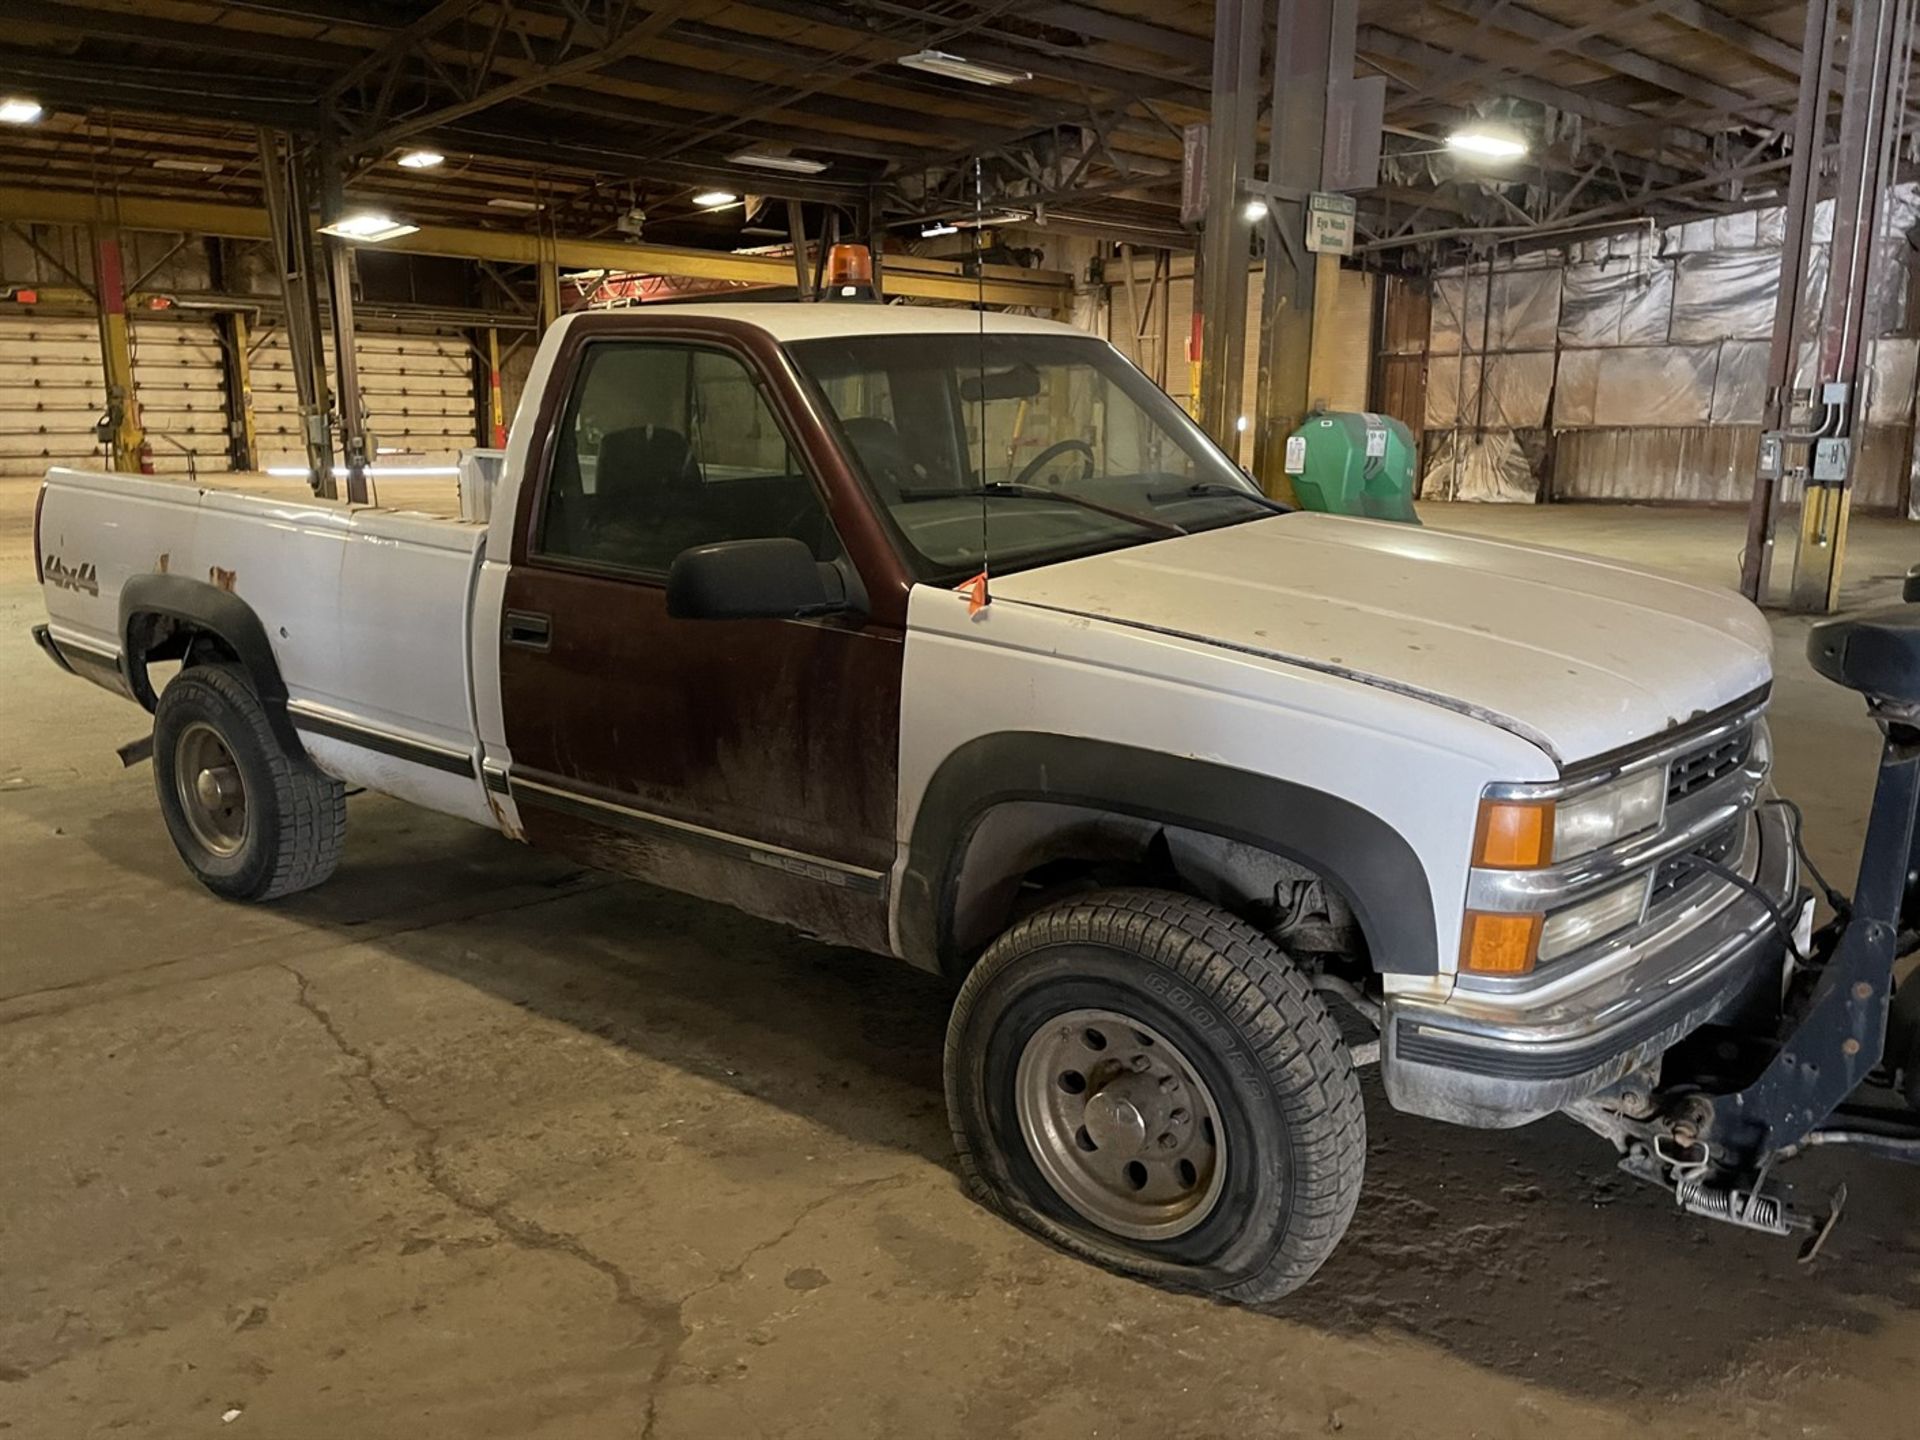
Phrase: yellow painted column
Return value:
(496, 402)
(128, 439)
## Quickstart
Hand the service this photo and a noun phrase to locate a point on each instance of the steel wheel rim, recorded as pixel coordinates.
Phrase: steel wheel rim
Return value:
(212, 795)
(1120, 1124)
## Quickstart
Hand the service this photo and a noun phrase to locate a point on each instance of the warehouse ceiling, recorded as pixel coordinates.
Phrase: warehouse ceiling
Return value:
(571, 114)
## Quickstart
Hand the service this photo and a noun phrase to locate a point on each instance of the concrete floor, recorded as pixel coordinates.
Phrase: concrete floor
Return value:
(471, 1143)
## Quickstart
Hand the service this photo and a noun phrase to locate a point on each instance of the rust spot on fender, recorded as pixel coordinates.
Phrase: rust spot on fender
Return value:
(222, 578)
(161, 565)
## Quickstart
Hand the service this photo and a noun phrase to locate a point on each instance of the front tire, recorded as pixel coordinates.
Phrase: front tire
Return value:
(1145, 1080)
(251, 821)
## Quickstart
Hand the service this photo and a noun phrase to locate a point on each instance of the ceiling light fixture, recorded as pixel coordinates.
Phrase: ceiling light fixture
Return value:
(1256, 211)
(934, 232)
(190, 167)
(508, 202)
(370, 227)
(1488, 142)
(771, 160)
(420, 159)
(714, 199)
(19, 110)
(955, 67)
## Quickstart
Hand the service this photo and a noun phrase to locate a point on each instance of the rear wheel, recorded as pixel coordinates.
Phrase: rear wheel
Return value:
(1147, 1081)
(251, 821)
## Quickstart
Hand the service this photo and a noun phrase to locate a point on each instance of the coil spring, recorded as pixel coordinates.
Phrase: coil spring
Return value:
(1736, 1207)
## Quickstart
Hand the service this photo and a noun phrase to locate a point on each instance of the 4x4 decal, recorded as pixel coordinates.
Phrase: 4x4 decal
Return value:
(81, 577)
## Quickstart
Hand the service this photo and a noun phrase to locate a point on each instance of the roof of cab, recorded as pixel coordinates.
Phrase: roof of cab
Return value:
(796, 320)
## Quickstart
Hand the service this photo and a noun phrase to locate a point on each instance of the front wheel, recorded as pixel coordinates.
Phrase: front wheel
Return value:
(251, 821)
(1147, 1081)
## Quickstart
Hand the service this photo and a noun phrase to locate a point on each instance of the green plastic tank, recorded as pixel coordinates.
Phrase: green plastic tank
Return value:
(1353, 463)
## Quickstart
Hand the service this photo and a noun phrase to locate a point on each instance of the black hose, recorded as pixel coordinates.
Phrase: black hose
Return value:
(1839, 903)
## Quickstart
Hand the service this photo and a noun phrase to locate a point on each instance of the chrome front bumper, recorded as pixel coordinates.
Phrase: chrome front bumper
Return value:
(1494, 1061)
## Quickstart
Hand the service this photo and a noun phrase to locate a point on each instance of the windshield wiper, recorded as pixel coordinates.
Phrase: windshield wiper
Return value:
(1003, 489)
(1207, 489)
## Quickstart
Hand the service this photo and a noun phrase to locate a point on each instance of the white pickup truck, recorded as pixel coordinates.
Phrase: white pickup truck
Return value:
(1194, 770)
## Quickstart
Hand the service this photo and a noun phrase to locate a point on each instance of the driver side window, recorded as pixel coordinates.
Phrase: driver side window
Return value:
(667, 446)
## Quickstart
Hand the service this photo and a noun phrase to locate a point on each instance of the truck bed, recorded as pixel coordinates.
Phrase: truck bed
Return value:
(367, 610)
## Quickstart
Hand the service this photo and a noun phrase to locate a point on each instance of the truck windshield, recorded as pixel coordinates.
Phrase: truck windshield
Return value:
(963, 436)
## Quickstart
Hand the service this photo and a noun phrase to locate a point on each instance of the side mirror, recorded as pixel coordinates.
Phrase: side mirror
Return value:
(753, 580)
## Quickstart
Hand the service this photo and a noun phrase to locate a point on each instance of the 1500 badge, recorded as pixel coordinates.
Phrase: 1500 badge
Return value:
(81, 577)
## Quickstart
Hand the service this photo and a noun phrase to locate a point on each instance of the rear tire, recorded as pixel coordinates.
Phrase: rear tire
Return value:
(1048, 1039)
(251, 821)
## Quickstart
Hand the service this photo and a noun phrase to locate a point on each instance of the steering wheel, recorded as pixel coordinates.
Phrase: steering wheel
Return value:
(1059, 447)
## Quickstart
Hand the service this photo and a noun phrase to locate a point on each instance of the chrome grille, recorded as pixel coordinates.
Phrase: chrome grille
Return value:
(1694, 770)
(1674, 874)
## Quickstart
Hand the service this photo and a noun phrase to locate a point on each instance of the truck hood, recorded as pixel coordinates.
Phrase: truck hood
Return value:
(1577, 655)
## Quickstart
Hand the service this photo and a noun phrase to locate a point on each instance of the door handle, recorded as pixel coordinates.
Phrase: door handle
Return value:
(528, 630)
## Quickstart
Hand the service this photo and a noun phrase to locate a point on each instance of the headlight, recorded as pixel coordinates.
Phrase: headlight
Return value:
(1580, 925)
(1529, 834)
(1600, 817)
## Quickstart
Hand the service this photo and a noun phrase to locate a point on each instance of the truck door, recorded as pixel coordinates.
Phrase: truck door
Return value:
(750, 761)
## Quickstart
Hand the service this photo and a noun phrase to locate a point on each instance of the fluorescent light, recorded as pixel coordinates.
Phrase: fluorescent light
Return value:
(1256, 211)
(507, 202)
(368, 226)
(769, 160)
(19, 110)
(191, 167)
(1489, 142)
(420, 159)
(934, 232)
(954, 67)
(714, 199)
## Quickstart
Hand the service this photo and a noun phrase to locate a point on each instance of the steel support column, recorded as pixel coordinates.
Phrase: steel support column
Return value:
(547, 275)
(1803, 195)
(1878, 38)
(290, 227)
(1315, 46)
(1238, 28)
(356, 447)
(236, 366)
(797, 233)
(120, 428)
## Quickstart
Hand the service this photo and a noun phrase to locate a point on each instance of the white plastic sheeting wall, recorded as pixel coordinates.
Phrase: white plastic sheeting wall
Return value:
(1664, 332)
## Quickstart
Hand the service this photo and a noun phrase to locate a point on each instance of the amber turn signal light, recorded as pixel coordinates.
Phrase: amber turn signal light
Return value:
(1514, 834)
(1497, 944)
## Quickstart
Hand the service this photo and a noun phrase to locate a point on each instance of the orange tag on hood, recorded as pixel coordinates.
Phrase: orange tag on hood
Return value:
(976, 592)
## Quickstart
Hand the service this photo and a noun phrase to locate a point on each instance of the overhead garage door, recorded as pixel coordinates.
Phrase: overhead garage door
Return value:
(276, 402)
(52, 389)
(179, 376)
(419, 397)
(417, 390)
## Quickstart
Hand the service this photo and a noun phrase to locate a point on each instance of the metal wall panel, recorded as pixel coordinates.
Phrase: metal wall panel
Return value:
(52, 389)
(180, 377)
